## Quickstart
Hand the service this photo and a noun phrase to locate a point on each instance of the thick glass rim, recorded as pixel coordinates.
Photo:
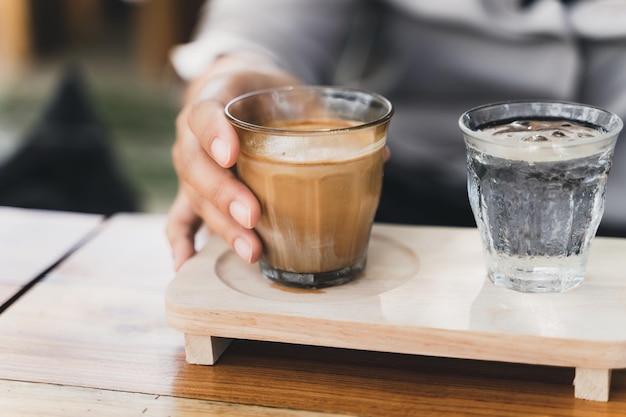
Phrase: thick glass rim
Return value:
(466, 118)
(384, 102)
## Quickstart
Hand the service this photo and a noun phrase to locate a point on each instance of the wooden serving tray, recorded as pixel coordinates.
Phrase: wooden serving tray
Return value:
(424, 292)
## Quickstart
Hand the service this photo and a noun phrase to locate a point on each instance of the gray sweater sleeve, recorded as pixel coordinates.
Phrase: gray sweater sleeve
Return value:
(303, 36)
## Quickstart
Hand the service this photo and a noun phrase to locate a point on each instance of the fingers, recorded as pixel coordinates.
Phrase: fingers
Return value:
(209, 179)
(182, 225)
(206, 147)
(208, 189)
(244, 242)
(207, 123)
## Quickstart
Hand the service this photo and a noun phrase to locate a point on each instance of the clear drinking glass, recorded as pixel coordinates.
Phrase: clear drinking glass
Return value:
(536, 187)
(313, 156)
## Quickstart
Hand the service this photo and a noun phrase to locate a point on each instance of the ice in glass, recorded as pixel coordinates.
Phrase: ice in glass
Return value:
(537, 174)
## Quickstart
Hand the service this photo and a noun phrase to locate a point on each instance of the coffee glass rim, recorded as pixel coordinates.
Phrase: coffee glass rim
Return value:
(385, 117)
(603, 135)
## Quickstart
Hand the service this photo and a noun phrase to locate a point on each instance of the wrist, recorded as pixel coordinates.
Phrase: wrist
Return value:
(237, 73)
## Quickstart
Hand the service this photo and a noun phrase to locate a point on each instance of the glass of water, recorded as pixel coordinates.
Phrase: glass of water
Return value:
(537, 173)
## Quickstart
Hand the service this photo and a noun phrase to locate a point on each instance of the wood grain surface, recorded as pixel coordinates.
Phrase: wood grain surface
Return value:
(424, 291)
(33, 240)
(96, 328)
(62, 401)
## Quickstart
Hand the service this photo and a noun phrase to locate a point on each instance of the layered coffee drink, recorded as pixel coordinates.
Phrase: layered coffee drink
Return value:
(313, 156)
(318, 201)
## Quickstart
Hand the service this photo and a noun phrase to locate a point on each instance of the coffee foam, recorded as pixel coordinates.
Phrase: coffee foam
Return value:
(314, 141)
(302, 150)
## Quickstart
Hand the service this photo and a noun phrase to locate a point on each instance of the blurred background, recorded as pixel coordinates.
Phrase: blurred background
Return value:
(88, 102)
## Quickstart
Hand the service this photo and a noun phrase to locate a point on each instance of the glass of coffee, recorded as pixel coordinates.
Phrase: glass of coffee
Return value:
(313, 156)
(537, 174)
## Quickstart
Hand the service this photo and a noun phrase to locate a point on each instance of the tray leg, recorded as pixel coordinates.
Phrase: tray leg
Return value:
(592, 384)
(204, 350)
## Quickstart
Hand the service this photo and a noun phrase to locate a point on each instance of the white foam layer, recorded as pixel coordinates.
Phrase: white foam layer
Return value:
(303, 150)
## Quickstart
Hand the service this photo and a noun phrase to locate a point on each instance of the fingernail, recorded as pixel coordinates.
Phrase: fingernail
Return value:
(241, 213)
(220, 150)
(243, 249)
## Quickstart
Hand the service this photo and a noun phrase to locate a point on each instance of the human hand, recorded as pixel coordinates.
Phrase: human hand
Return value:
(206, 148)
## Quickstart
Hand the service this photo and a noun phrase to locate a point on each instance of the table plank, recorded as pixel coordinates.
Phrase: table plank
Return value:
(33, 240)
(7, 291)
(98, 321)
(25, 399)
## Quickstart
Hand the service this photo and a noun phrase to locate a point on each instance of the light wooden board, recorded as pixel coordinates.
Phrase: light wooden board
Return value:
(32, 240)
(425, 292)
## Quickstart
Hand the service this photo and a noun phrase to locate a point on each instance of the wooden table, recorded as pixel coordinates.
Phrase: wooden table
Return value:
(31, 241)
(91, 338)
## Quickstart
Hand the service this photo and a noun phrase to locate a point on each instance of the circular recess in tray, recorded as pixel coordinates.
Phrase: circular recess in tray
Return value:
(390, 264)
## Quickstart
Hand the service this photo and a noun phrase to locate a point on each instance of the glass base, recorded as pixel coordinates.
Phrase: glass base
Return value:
(313, 280)
(537, 281)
